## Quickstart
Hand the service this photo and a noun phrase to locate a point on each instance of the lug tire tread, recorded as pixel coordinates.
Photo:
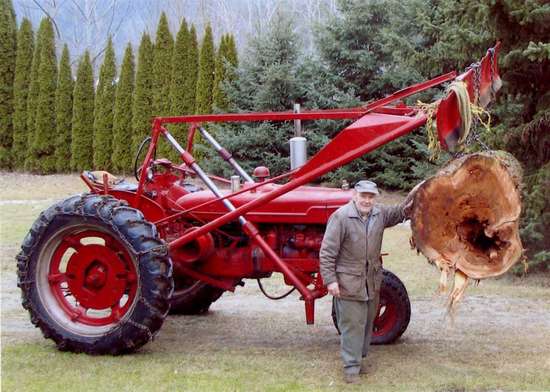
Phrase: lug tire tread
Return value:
(142, 241)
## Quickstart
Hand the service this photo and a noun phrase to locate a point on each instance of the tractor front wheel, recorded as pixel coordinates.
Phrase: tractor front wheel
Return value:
(95, 276)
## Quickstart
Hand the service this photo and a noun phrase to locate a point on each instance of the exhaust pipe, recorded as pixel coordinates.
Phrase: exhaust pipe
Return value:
(298, 152)
(298, 144)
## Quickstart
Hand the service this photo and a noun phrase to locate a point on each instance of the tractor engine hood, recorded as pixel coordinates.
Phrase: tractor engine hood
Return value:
(304, 205)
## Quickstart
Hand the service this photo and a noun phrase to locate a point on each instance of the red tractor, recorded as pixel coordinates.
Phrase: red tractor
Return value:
(99, 272)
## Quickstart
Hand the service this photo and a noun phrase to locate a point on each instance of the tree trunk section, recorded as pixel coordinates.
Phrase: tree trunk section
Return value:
(465, 219)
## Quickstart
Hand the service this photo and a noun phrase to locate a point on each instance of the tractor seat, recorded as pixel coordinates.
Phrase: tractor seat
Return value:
(120, 184)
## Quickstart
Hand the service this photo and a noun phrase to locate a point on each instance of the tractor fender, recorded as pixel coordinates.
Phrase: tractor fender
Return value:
(150, 209)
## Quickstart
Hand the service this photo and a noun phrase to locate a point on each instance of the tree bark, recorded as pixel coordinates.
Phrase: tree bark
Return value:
(465, 219)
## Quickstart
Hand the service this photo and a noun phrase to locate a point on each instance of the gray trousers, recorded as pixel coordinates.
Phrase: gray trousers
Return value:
(355, 320)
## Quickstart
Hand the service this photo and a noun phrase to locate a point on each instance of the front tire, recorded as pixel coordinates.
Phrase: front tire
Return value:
(95, 276)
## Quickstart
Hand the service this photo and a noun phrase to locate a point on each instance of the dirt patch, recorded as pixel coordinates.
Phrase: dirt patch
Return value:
(246, 318)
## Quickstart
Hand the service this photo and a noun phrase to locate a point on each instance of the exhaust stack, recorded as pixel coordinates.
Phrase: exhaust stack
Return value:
(298, 144)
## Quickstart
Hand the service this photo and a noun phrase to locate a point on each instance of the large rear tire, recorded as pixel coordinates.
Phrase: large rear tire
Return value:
(95, 276)
(394, 311)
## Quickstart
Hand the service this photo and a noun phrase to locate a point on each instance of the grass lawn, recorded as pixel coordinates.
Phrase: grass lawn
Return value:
(499, 338)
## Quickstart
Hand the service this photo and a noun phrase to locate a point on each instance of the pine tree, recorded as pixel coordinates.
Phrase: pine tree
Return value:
(180, 65)
(64, 113)
(43, 147)
(143, 94)
(103, 110)
(205, 81)
(122, 120)
(226, 64)
(162, 64)
(232, 54)
(268, 81)
(219, 99)
(351, 44)
(190, 97)
(32, 97)
(25, 46)
(83, 116)
(441, 36)
(8, 32)
(361, 51)
(524, 111)
(162, 71)
(180, 73)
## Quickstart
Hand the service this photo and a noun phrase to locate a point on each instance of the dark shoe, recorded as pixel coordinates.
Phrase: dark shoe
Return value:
(351, 378)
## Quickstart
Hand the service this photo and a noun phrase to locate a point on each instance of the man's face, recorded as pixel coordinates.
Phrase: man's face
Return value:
(364, 201)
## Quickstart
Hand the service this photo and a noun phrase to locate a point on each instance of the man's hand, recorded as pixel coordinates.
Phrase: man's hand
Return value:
(334, 289)
(408, 203)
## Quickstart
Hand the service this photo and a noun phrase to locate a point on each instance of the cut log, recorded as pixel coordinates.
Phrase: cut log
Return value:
(465, 219)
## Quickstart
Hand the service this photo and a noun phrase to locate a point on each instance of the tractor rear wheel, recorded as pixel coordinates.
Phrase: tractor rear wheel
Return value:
(394, 311)
(192, 296)
(95, 276)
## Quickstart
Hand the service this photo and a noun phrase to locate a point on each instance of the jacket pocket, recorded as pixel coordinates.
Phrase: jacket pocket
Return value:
(351, 283)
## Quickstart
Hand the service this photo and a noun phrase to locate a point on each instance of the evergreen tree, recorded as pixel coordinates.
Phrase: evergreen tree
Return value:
(356, 46)
(142, 103)
(43, 147)
(122, 121)
(268, 81)
(441, 36)
(180, 70)
(83, 116)
(205, 81)
(32, 97)
(180, 74)
(64, 113)
(8, 32)
(226, 65)
(103, 110)
(219, 99)
(190, 91)
(25, 45)
(162, 64)
(524, 111)
(351, 44)
(232, 55)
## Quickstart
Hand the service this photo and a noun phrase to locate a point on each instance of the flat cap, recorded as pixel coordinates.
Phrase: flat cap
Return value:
(365, 186)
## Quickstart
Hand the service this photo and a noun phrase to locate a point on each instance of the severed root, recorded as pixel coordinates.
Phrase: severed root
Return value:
(465, 219)
(459, 287)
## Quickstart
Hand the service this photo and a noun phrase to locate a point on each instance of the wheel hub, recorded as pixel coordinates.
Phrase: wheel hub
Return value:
(96, 276)
(92, 278)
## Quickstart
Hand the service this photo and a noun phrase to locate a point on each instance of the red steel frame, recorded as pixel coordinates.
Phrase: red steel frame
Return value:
(375, 125)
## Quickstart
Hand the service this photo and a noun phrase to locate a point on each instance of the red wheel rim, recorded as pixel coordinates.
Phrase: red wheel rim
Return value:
(385, 318)
(92, 278)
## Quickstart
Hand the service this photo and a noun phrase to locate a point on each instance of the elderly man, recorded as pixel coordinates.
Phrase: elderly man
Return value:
(349, 257)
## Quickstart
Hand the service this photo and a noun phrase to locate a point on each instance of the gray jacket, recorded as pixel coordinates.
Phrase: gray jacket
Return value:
(346, 247)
